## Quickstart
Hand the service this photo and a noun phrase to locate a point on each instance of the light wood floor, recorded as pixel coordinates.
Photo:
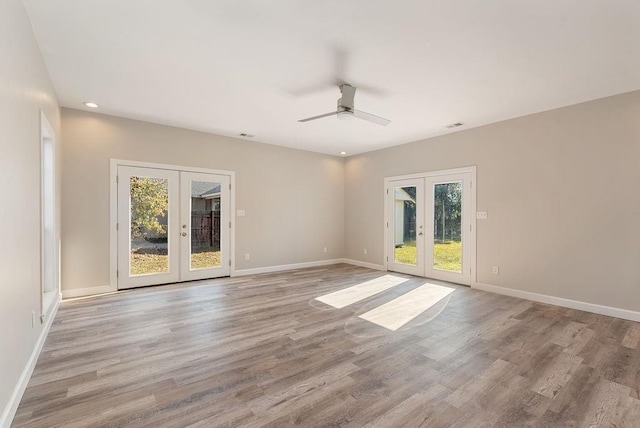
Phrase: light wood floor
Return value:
(261, 351)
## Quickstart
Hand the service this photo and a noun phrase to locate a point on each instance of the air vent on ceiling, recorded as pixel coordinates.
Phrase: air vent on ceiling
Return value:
(455, 125)
(247, 135)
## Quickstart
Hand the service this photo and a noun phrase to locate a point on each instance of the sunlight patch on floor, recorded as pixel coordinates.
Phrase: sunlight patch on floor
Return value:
(398, 312)
(340, 299)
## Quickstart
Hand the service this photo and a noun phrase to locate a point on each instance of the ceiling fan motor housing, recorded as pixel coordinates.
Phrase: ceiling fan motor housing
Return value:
(346, 109)
(348, 94)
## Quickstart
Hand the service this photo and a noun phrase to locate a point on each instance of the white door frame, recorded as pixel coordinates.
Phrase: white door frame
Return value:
(113, 209)
(473, 209)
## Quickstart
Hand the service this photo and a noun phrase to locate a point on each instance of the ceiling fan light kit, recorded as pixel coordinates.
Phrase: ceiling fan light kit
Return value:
(347, 111)
(345, 115)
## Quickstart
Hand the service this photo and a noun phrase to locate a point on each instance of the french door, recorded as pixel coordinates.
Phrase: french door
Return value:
(448, 220)
(429, 226)
(172, 226)
(406, 226)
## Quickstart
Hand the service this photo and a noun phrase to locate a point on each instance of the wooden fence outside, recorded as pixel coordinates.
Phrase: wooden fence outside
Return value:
(205, 229)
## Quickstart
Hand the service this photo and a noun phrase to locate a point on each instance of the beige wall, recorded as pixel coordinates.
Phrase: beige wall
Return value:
(25, 89)
(560, 189)
(293, 199)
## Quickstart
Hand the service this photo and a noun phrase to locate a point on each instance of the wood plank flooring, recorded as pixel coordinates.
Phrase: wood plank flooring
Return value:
(260, 351)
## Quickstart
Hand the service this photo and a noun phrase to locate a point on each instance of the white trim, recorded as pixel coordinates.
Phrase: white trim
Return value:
(364, 264)
(232, 219)
(560, 301)
(471, 169)
(171, 167)
(279, 268)
(47, 133)
(10, 409)
(103, 289)
(113, 210)
(88, 291)
(113, 232)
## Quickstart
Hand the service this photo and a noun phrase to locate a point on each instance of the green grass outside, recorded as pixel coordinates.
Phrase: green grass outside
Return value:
(146, 261)
(205, 259)
(447, 254)
(407, 253)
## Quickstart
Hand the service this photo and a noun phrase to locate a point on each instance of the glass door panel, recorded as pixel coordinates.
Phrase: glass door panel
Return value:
(149, 253)
(447, 227)
(147, 213)
(405, 225)
(204, 240)
(448, 217)
(205, 225)
(404, 211)
(172, 226)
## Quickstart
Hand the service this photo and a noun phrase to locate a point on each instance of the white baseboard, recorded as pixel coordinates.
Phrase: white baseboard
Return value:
(364, 264)
(560, 301)
(90, 291)
(14, 401)
(279, 268)
(87, 291)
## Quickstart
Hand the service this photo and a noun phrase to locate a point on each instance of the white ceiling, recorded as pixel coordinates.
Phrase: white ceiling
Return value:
(257, 66)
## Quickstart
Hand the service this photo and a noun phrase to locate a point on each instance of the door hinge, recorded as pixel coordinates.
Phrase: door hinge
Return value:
(229, 225)
(387, 191)
(117, 179)
(387, 224)
(117, 274)
(229, 262)
(470, 228)
(229, 186)
(117, 226)
(387, 258)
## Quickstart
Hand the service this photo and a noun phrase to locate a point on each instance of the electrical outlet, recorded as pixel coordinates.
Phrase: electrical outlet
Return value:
(247, 256)
(496, 270)
(365, 251)
(325, 249)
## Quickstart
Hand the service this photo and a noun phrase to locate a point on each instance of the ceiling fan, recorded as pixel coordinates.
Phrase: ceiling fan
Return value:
(346, 109)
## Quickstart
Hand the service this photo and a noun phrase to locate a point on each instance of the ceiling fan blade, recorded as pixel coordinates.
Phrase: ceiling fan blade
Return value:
(371, 118)
(333, 113)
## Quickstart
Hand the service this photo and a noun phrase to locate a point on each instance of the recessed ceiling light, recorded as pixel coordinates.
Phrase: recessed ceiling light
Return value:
(92, 105)
(343, 153)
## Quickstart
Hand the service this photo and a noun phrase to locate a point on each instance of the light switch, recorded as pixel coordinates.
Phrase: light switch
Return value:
(481, 215)
(240, 213)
